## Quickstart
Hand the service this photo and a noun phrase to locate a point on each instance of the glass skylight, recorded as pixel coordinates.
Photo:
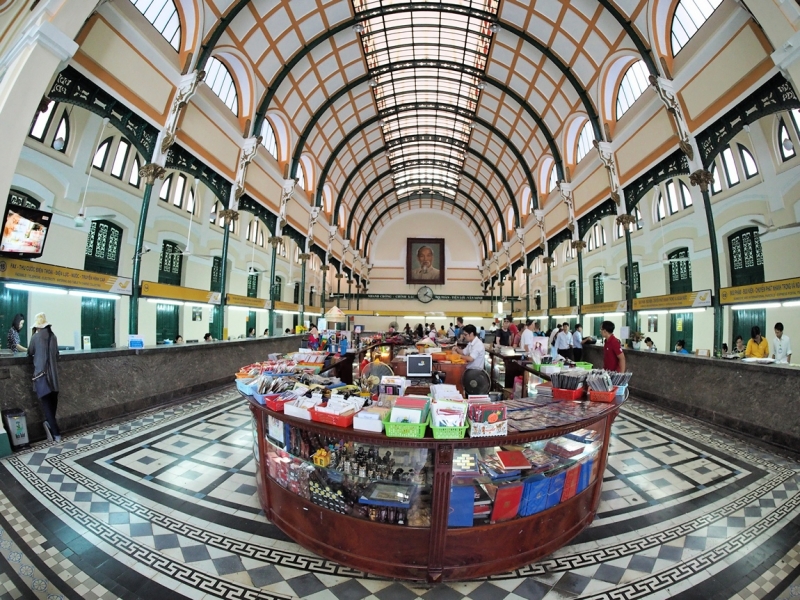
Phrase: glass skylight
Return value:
(426, 67)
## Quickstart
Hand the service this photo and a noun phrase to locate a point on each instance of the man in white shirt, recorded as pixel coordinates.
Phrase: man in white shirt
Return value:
(475, 352)
(564, 342)
(781, 345)
(526, 339)
(577, 343)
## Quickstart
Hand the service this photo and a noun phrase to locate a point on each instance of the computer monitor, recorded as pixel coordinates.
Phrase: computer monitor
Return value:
(419, 365)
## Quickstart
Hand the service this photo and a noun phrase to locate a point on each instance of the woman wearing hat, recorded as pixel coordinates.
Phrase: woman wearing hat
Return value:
(43, 348)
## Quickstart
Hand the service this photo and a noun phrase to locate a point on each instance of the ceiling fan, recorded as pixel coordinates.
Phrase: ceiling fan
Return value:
(770, 226)
(608, 276)
(678, 259)
(80, 219)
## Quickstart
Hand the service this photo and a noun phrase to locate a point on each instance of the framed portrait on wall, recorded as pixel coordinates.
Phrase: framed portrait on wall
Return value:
(425, 261)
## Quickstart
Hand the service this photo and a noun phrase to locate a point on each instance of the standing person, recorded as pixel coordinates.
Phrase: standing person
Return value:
(313, 338)
(482, 333)
(459, 328)
(577, 343)
(13, 334)
(537, 330)
(44, 350)
(564, 341)
(418, 332)
(503, 336)
(782, 345)
(512, 328)
(613, 357)
(475, 352)
(526, 339)
(451, 331)
(757, 346)
(551, 336)
(407, 329)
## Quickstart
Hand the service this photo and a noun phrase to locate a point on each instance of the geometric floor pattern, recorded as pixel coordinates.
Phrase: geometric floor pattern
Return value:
(165, 506)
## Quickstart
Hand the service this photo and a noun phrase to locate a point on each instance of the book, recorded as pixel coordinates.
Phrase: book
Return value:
(388, 494)
(585, 477)
(564, 448)
(571, 483)
(466, 463)
(534, 497)
(481, 496)
(513, 460)
(462, 505)
(506, 501)
(555, 489)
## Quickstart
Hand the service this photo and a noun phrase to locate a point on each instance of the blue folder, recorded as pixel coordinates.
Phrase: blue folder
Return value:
(534, 498)
(584, 479)
(462, 506)
(555, 489)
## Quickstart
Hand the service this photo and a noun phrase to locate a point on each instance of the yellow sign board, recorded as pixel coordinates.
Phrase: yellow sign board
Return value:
(176, 292)
(288, 306)
(365, 313)
(563, 311)
(782, 289)
(39, 273)
(605, 307)
(236, 300)
(687, 300)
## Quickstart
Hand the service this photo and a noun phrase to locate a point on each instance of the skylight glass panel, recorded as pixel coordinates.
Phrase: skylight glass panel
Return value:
(633, 85)
(426, 68)
(688, 18)
(164, 16)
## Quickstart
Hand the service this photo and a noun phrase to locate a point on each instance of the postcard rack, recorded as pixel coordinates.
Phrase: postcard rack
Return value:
(429, 509)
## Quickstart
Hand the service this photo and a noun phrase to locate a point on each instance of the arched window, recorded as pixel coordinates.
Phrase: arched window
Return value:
(748, 162)
(268, 139)
(180, 188)
(102, 248)
(120, 158)
(21, 199)
(61, 138)
(634, 83)
(301, 176)
(786, 144)
(41, 123)
(553, 184)
(341, 217)
(747, 259)
(680, 271)
(499, 235)
(170, 264)
(598, 288)
(135, 178)
(219, 220)
(688, 18)
(537, 265)
(100, 157)
(221, 83)
(569, 252)
(573, 293)
(584, 142)
(164, 16)
(675, 198)
(510, 219)
(731, 175)
(177, 189)
(716, 185)
(164, 193)
(596, 238)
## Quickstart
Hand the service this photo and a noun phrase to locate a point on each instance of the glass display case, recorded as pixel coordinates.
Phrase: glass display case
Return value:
(435, 509)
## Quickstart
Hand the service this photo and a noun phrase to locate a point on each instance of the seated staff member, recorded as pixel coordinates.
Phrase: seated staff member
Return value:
(474, 352)
(613, 357)
(738, 346)
(680, 347)
(757, 346)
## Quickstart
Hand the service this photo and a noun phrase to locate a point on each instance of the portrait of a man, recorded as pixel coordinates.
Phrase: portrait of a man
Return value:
(425, 261)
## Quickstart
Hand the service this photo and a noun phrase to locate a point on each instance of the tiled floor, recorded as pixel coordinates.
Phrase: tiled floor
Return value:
(165, 506)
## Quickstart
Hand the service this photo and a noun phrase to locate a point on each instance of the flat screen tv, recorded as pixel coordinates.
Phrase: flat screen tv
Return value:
(24, 231)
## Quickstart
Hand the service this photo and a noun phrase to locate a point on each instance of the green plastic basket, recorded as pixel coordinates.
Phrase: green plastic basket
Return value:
(406, 430)
(449, 433)
(584, 365)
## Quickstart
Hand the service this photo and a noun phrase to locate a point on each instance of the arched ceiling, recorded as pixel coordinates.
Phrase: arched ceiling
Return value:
(457, 100)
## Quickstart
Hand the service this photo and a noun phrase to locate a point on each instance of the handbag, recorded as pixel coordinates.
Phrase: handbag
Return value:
(40, 382)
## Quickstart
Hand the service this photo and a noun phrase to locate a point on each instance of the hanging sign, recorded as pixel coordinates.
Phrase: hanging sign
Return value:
(39, 273)
(236, 300)
(782, 289)
(287, 306)
(564, 311)
(698, 299)
(152, 289)
(605, 307)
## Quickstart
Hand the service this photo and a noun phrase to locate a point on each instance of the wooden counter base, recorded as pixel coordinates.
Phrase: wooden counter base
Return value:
(436, 553)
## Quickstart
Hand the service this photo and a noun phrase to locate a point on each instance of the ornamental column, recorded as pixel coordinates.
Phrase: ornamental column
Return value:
(303, 261)
(626, 221)
(324, 287)
(548, 260)
(150, 172)
(527, 272)
(274, 241)
(579, 246)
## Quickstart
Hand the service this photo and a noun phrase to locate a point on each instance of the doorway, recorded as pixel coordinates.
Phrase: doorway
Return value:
(11, 303)
(98, 321)
(166, 322)
(680, 328)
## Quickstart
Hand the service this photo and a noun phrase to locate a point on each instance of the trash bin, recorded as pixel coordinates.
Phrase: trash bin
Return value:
(16, 425)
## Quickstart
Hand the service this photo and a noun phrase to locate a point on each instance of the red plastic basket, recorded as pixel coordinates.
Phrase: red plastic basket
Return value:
(273, 403)
(337, 420)
(560, 394)
(595, 396)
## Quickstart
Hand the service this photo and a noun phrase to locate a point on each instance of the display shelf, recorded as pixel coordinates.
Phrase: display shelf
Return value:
(435, 552)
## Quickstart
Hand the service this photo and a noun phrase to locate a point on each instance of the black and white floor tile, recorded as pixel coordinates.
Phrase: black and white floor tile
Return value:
(165, 506)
